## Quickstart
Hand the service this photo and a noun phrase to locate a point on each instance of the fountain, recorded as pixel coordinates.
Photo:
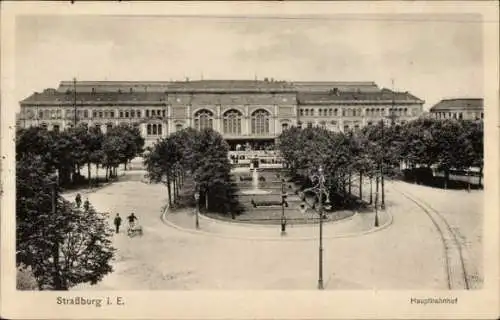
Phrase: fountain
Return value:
(255, 184)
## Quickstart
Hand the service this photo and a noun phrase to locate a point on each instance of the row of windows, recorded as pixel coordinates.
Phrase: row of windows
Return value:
(154, 129)
(324, 112)
(85, 114)
(458, 115)
(232, 120)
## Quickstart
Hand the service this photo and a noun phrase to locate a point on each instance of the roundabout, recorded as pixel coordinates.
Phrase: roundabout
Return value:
(356, 225)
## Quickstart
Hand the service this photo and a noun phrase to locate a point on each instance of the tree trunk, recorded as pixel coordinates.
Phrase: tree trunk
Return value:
(376, 189)
(383, 188)
(350, 183)
(125, 166)
(361, 186)
(446, 178)
(371, 189)
(107, 170)
(206, 200)
(175, 189)
(97, 172)
(481, 177)
(169, 189)
(88, 172)
(57, 283)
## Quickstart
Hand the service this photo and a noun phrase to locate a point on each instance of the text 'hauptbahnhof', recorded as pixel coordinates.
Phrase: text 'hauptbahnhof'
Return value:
(245, 112)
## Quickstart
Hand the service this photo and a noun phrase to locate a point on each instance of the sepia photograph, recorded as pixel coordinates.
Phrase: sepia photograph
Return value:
(340, 152)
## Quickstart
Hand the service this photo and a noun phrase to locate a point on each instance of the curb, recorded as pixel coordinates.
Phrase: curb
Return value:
(298, 225)
(163, 218)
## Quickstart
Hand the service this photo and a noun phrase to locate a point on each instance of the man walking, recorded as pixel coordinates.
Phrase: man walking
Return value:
(118, 222)
(78, 200)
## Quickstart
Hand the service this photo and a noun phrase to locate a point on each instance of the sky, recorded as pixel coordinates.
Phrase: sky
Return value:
(433, 57)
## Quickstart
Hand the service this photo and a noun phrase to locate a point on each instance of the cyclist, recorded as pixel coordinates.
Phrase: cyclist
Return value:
(131, 220)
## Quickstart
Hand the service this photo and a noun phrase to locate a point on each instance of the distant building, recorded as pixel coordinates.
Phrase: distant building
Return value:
(243, 111)
(461, 109)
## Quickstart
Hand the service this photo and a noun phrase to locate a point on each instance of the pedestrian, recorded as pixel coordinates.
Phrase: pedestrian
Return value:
(86, 205)
(118, 222)
(131, 220)
(78, 200)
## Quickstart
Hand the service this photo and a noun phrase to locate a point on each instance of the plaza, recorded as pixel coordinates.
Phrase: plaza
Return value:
(405, 252)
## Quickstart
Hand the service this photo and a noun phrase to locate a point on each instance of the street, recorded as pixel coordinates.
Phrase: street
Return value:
(406, 254)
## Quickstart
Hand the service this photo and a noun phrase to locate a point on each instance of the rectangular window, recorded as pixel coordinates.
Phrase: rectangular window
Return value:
(163, 113)
(56, 128)
(100, 114)
(111, 114)
(132, 114)
(153, 113)
(147, 113)
(121, 114)
(94, 114)
(159, 129)
(126, 114)
(85, 113)
(139, 113)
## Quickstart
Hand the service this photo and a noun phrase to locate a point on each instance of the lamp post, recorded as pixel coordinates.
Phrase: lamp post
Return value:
(283, 218)
(197, 198)
(319, 189)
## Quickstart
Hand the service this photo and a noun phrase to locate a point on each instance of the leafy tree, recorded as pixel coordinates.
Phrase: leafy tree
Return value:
(47, 240)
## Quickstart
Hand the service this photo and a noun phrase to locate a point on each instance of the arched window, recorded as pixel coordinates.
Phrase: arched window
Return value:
(353, 112)
(108, 127)
(203, 119)
(149, 129)
(155, 132)
(330, 112)
(232, 122)
(284, 126)
(260, 122)
(301, 112)
(160, 129)
(320, 112)
(307, 112)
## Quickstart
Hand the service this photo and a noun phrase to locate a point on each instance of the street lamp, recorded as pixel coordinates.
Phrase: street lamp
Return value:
(197, 198)
(319, 189)
(283, 197)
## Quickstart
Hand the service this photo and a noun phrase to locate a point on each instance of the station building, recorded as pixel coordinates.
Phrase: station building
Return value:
(460, 109)
(246, 112)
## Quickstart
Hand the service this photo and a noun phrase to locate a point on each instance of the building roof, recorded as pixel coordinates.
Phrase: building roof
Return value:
(458, 104)
(130, 92)
(333, 96)
(177, 86)
(318, 86)
(54, 96)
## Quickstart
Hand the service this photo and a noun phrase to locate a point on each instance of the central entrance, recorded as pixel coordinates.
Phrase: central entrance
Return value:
(254, 153)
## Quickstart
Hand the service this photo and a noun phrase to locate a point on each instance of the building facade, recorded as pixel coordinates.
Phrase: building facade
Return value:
(460, 109)
(242, 111)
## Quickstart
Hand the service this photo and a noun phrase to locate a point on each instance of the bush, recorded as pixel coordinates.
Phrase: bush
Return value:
(25, 280)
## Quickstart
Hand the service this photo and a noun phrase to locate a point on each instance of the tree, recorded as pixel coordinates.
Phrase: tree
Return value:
(65, 246)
